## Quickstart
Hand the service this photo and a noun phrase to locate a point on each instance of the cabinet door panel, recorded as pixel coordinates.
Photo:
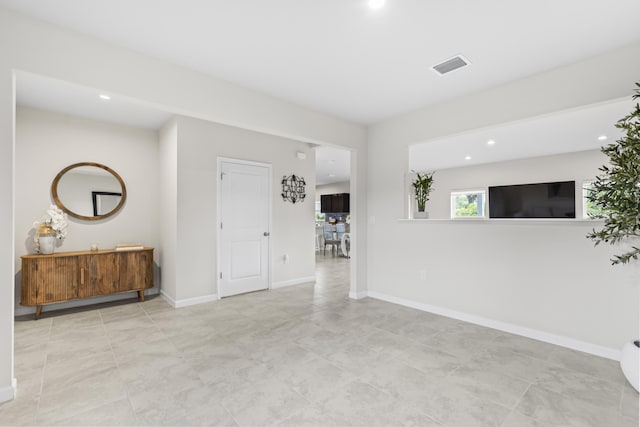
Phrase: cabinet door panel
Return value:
(345, 203)
(325, 203)
(336, 203)
(136, 270)
(55, 279)
(99, 275)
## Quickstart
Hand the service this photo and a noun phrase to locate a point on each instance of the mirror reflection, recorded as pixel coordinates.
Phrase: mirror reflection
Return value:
(89, 191)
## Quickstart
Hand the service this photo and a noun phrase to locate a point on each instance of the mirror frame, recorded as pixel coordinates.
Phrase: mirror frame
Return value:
(56, 198)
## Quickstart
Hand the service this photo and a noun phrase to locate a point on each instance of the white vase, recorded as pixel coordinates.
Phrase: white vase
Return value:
(420, 215)
(630, 363)
(47, 243)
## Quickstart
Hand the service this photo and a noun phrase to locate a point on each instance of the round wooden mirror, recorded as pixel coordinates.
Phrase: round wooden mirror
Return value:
(89, 191)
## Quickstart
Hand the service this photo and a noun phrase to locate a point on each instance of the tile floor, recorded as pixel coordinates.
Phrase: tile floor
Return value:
(301, 356)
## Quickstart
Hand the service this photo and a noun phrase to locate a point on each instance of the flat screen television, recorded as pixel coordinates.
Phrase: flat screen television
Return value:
(544, 200)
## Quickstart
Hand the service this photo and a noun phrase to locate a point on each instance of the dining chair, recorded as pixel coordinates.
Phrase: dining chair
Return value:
(329, 235)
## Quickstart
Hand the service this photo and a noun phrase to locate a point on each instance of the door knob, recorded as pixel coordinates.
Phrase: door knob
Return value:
(266, 234)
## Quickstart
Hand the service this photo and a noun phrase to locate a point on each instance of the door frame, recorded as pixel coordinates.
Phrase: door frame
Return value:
(269, 167)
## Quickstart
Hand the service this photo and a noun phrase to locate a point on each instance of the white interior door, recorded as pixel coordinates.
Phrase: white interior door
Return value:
(245, 220)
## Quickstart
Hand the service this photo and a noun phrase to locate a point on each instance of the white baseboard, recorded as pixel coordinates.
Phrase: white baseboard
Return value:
(293, 282)
(188, 301)
(9, 393)
(358, 295)
(559, 340)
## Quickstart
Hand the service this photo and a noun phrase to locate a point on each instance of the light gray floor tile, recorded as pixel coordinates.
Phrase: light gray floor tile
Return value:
(118, 413)
(360, 404)
(516, 419)
(358, 358)
(432, 361)
(312, 416)
(628, 422)
(62, 373)
(452, 405)
(76, 321)
(527, 346)
(629, 406)
(263, 403)
(505, 361)
(59, 404)
(588, 364)
(557, 409)
(489, 385)
(19, 412)
(174, 378)
(462, 340)
(315, 379)
(296, 356)
(590, 389)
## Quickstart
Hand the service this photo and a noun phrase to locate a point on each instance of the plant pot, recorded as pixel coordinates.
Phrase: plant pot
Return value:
(420, 215)
(630, 363)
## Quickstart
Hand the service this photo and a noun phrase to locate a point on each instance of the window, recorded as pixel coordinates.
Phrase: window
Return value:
(468, 204)
(589, 209)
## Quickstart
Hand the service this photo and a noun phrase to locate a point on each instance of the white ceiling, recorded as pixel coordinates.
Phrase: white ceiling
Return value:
(332, 165)
(45, 93)
(344, 59)
(560, 132)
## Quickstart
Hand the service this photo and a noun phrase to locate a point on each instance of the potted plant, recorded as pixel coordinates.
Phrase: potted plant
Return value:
(51, 226)
(422, 186)
(616, 191)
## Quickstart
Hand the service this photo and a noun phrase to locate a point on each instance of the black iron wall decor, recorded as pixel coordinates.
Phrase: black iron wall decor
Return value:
(293, 188)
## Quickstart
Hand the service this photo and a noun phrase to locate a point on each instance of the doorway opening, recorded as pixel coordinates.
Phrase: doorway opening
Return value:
(333, 219)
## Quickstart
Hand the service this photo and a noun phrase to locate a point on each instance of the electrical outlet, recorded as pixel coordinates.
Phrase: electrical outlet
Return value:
(423, 275)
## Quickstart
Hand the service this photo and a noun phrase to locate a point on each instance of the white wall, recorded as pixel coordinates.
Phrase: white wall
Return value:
(200, 143)
(44, 49)
(48, 142)
(168, 164)
(579, 166)
(539, 278)
(7, 117)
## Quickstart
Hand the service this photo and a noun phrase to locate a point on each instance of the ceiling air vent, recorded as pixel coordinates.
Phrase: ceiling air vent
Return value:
(450, 65)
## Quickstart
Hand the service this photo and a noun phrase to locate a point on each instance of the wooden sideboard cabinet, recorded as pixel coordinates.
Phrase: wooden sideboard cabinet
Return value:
(63, 276)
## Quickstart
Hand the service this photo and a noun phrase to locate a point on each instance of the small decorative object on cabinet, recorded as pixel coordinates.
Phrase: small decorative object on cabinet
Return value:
(46, 239)
(51, 226)
(49, 279)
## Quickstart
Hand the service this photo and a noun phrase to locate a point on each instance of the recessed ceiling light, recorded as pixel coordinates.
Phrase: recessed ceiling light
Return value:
(467, 158)
(602, 137)
(490, 142)
(105, 96)
(331, 175)
(376, 4)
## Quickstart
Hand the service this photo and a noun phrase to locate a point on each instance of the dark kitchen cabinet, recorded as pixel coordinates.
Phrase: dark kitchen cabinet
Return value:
(334, 203)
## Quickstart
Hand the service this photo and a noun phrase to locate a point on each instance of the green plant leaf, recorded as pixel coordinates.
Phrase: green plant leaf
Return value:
(616, 190)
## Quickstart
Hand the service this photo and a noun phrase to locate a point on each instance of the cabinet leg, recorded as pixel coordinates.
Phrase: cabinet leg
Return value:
(141, 295)
(38, 311)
